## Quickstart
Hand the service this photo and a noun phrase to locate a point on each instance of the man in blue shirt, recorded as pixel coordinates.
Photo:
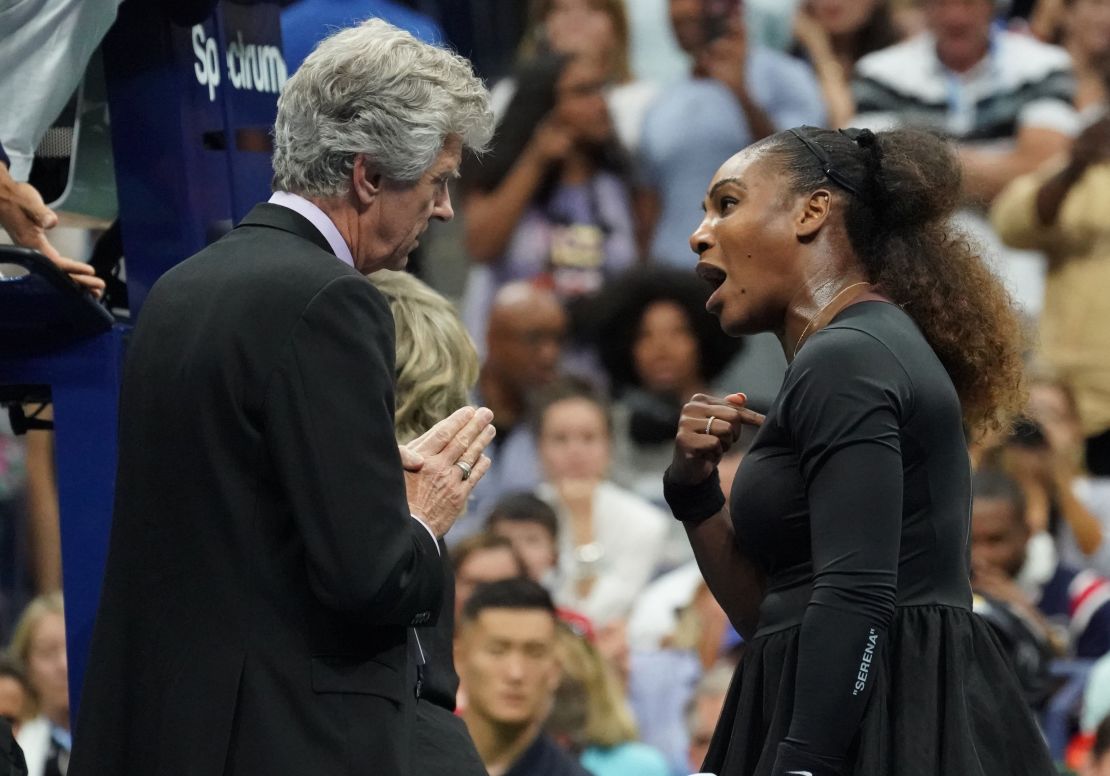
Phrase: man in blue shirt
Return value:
(737, 93)
(306, 23)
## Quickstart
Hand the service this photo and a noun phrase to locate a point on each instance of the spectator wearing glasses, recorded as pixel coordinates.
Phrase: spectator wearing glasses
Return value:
(524, 350)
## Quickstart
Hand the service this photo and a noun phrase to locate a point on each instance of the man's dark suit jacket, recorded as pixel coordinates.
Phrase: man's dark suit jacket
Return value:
(442, 745)
(263, 566)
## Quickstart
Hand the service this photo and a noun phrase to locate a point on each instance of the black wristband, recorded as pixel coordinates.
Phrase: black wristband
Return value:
(693, 504)
(791, 759)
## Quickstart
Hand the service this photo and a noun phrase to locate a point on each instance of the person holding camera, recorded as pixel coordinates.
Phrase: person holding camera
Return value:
(737, 92)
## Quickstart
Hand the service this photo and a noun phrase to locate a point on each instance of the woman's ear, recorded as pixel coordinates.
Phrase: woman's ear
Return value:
(814, 214)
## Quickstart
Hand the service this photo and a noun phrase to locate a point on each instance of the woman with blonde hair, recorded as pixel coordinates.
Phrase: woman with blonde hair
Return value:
(436, 361)
(39, 646)
(591, 704)
(436, 367)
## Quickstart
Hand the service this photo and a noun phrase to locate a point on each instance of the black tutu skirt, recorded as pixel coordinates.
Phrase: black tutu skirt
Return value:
(946, 704)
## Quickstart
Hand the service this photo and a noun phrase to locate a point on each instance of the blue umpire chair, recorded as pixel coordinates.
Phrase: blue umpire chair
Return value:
(191, 101)
(61, 347)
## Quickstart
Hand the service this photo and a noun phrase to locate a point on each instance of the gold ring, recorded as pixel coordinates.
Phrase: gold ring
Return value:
(709, 424)
(466, 469)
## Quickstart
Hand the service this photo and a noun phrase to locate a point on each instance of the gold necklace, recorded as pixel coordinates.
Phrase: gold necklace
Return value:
(817, 315)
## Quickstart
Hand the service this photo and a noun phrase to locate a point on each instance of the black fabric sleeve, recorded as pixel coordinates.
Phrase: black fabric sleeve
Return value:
(329, 423)
(843, 405)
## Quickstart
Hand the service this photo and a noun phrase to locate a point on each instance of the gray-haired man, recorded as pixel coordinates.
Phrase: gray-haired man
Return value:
(269, 550)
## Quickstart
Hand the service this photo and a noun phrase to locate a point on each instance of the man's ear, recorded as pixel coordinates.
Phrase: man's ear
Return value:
(366, 180)
(814, 214)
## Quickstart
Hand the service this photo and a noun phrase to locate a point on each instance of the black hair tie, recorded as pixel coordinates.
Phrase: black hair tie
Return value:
(864, 138)
(868, 141)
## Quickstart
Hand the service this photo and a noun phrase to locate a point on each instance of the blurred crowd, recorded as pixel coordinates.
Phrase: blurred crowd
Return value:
(579, 609)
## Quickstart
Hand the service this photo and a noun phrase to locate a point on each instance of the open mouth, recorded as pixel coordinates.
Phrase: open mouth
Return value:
(714, 276)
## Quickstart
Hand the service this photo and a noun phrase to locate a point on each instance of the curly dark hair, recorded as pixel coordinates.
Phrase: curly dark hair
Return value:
(908, 184)
(621, 308)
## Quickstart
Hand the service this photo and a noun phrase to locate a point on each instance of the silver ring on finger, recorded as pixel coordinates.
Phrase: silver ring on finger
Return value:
(466, 469)
(709, 424)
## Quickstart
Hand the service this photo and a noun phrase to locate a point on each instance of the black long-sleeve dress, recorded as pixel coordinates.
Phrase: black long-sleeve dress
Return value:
(855, 500)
